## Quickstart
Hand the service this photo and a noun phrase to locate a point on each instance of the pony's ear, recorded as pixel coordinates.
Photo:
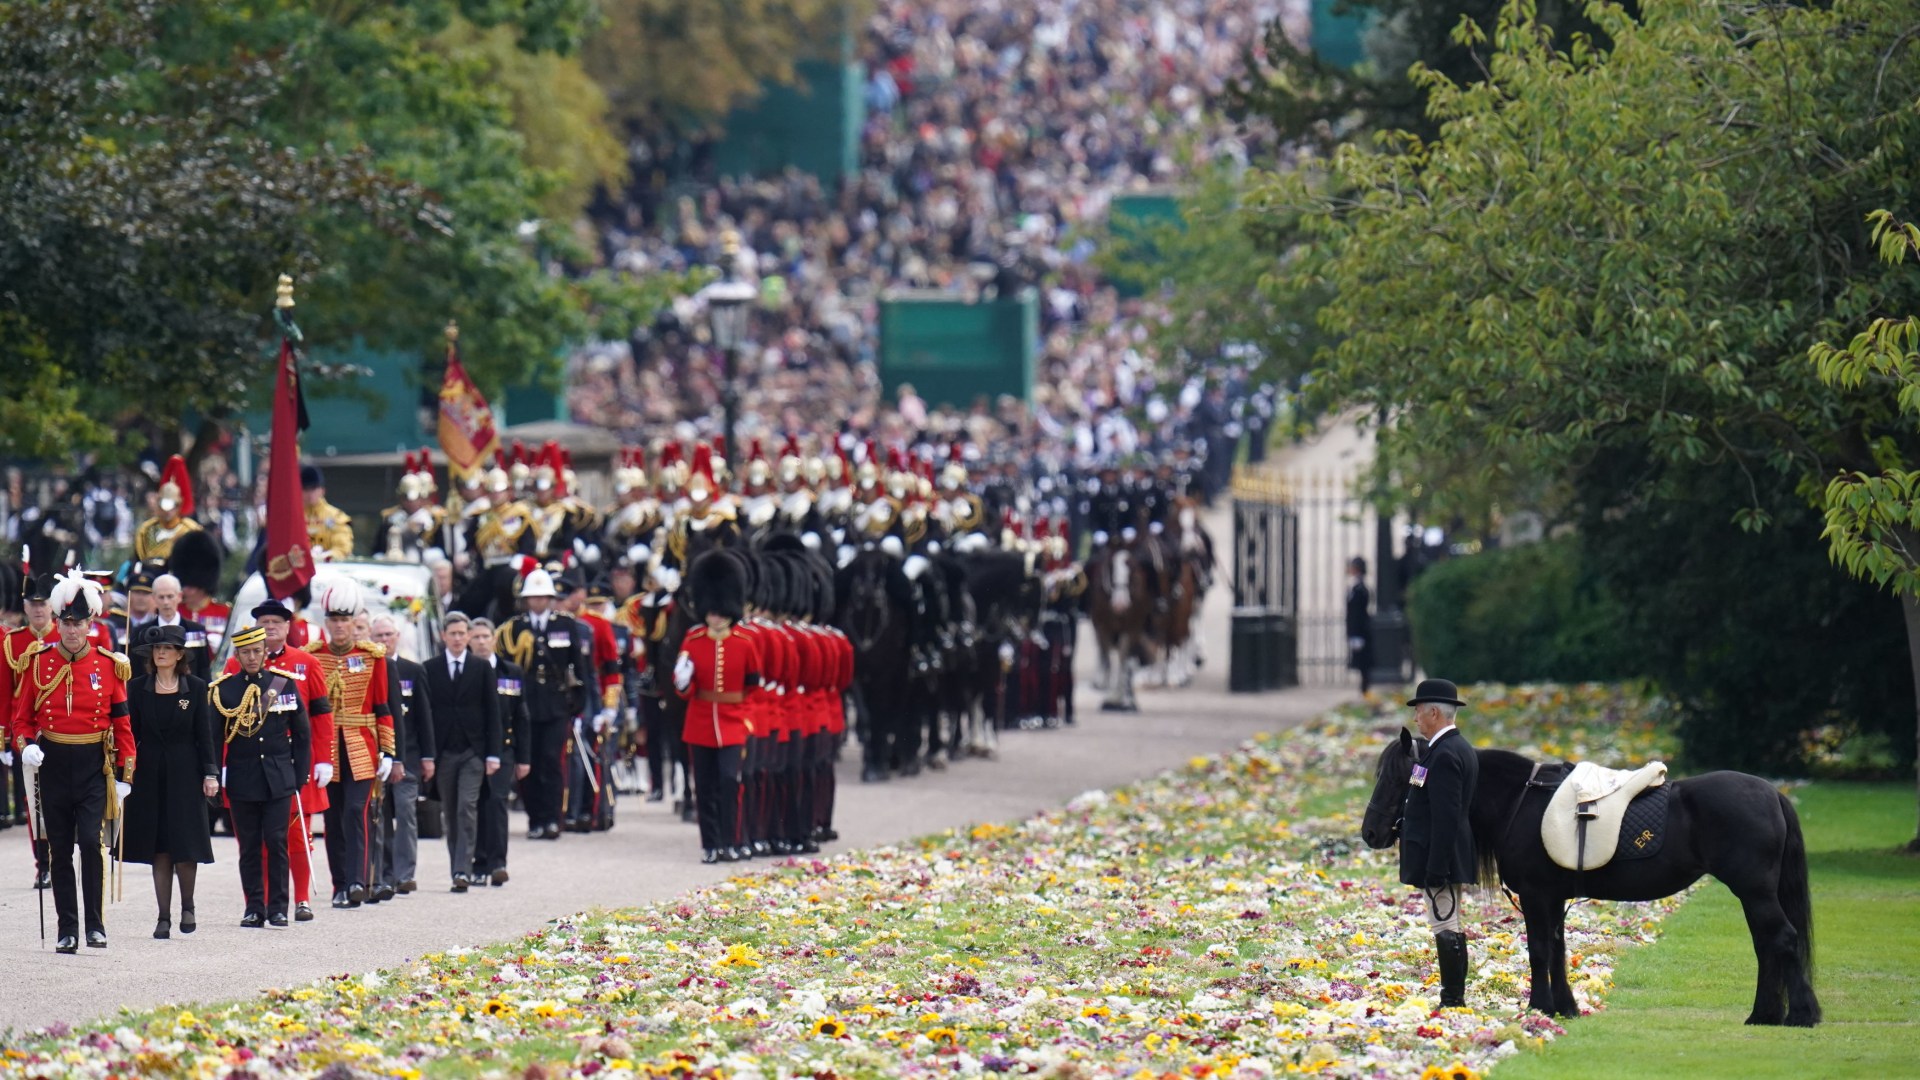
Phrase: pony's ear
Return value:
(1406, 740)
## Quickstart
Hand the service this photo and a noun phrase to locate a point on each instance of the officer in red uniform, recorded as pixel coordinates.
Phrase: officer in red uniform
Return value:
(14, 646)
(70, 723)
(355, 673)
(589, 794)
(716, 669)
(276, 618)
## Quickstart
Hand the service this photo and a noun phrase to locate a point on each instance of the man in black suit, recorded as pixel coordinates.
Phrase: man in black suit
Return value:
(490, 851)
(466, 717)
(413, 744)
(1436, 839)
(268, 752)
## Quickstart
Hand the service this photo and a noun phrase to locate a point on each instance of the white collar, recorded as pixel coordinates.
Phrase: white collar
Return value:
(158, 621)
(460, 659)
(1438, 735)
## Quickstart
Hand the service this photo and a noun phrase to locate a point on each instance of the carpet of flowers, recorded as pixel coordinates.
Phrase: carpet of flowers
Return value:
(1220, 920)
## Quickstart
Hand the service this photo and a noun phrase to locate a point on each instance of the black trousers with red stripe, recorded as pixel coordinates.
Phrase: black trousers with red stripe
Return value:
(716, 791)
(348, 816)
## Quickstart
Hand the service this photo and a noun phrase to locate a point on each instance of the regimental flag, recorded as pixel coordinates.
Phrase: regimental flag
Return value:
(288, 563)
(467, 436)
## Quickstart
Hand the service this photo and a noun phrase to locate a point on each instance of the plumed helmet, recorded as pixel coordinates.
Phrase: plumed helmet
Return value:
(537, 583)
(195, 560)
(176, 488)
(340, 597)
(75, 596)
(718, 585)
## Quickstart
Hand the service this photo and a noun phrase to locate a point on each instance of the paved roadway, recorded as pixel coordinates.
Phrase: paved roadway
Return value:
(648, 857)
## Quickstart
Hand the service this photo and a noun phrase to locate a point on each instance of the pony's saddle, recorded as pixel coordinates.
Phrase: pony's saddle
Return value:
(1597, 813)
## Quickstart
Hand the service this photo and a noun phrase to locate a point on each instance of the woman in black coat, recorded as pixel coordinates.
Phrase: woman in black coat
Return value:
(165, 822)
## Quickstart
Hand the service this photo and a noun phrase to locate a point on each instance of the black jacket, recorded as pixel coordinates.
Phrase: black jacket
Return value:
(561, 682)
(412, 713)
(174, 733)
(274, 761)
(515, 725)
(466, 714)
(1436, 838)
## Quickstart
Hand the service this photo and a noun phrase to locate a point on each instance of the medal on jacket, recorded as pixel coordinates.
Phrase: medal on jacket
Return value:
(1419, 777)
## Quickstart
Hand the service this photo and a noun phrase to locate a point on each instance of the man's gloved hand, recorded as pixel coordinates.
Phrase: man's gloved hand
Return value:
(323, 774)
(6, 758)
(683, 672)
(386, 766)
(123, 789)
(32, 756)
(602, 720)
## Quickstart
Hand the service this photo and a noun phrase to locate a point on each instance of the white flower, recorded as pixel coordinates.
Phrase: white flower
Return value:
(811, 1004)
(749, 1006)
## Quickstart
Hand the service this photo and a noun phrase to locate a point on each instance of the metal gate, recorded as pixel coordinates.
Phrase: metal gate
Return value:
(1293, 535)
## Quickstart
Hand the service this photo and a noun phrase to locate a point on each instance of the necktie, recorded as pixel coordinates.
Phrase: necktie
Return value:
(456, 670)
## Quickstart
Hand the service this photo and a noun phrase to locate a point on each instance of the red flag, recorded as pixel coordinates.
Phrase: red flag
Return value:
(466, 421)
(289, 565)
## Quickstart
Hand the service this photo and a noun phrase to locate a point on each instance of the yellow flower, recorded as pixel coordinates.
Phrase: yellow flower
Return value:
(829, 1027)
(945, 1036)
(500, 1007)
(930, 1018)
(741, 956)
(1096, 1012)
(1460, 1072)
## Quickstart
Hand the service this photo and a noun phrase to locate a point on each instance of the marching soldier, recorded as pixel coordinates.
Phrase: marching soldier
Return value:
(355, 673)
(329, 529)
(503, 527)
(417, 529)
(15, 646)
(154, 539)
(589, 797)
(716, 669)
(70, 725)
(267, 755)
(645, 616)
(636, 518)
(556, 653)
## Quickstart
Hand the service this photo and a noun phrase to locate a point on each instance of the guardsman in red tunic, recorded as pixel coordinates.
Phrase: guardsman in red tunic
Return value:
(355, 673)
(586, 807)
(276, 618)
(70, 725)
(14, 645)
(716, 669)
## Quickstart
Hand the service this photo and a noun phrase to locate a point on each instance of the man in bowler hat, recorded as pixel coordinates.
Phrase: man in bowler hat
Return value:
(1436, 839)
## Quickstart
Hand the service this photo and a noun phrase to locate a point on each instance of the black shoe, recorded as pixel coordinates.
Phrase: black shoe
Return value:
(278, 918)
(825, 834)
(873, 774)
(656, 796)
(459, 883)
(380, 893)
(937, 762)
(340, 900)
(553, 832)
(356, 894)
(743, 853)
(96, 939)
(536, 833)
(499, 877)
(187, 925)
(805, 847)
(911, 767)
(253, 920)
(43, 880)
(67, 944)
(761, 849)
(302, 912)
(163, 929)
(1450, 948)
(713, 855)
(406, 886)
(687, 814)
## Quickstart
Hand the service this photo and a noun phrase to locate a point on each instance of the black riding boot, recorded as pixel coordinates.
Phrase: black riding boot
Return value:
(1451, 947)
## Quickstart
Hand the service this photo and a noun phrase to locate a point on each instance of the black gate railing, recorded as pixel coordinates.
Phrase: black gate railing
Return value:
(1266, 585)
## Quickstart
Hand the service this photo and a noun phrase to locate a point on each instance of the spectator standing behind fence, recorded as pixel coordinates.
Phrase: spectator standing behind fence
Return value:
(1359, 623)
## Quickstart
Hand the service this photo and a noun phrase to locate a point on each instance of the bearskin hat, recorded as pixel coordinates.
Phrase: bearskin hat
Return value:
(718, 585)
(195, 560)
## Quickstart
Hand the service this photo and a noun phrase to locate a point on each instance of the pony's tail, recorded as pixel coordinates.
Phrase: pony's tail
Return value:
(1796, 897)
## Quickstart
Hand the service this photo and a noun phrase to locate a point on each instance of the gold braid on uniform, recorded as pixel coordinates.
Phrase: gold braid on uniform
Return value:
(244, 720)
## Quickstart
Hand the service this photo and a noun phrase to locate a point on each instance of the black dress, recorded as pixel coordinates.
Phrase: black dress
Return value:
(174, 752)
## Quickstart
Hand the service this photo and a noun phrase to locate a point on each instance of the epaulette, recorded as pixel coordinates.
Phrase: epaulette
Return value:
(34, 649)
(122, 667)
(284, 673)
(218, 679)
(374, 649)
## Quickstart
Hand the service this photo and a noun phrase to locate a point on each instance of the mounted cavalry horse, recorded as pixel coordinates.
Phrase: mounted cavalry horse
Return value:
(1731, 825)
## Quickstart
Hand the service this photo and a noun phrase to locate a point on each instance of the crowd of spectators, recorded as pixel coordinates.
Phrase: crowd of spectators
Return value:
(997, 133)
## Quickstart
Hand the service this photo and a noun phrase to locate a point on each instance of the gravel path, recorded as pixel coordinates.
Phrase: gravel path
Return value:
(649, 856)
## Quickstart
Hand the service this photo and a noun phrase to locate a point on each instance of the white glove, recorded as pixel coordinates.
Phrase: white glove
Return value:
(666, 577)
(32, 756)
(323, 774)
(123, 788)
(386, 766)
(6, 758)
(683, 672)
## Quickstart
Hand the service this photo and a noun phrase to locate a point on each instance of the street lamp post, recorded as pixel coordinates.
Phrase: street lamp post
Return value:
(727, 312)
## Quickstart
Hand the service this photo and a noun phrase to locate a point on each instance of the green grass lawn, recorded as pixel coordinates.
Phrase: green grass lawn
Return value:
(1678, 1006)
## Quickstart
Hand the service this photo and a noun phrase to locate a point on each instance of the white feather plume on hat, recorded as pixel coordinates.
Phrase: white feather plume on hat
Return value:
(341, 598)
(73, 587)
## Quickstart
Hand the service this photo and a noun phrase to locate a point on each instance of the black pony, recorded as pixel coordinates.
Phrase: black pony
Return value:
(1731, 825)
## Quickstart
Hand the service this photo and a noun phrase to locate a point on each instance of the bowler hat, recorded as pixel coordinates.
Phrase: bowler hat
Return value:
(272, 607)
(1436, 692)
(161, 635)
